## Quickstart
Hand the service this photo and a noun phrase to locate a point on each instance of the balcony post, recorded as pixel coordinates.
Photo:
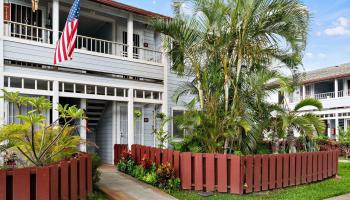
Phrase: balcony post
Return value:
(130, 117)
(335, 88)
(2, 102)
(345, 86)
(55, 20)
(83, 127)
(55, 100)
(130, 29)
(304, 92)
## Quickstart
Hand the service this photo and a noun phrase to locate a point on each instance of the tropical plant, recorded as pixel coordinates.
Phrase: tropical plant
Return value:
(96, 163)
(162, 136)
(33, 139)
(308, 125)
(223, 43)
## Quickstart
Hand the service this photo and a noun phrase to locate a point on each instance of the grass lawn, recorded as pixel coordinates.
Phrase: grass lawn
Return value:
(319, 190)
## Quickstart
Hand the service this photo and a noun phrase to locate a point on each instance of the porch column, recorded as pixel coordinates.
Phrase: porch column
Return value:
(83, 127)
(336, 126)
(55, 20)
(345, 87)
(304, 92)
(130, 29)
(335, 88)
(2, 102)
(165, 85)
(114, 126)
(130, 117)
(55, 101)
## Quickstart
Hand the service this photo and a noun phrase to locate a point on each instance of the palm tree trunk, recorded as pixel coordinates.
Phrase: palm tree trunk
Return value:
(235, 97)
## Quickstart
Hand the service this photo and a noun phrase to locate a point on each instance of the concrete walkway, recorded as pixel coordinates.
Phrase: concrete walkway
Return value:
(341, 197)
(119, 186)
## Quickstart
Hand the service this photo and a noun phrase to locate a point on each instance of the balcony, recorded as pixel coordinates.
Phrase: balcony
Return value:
(83, 43)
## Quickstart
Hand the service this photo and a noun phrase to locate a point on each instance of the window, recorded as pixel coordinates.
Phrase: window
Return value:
(177, 132)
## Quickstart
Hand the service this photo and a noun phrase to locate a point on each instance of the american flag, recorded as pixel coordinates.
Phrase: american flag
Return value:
(66, 43)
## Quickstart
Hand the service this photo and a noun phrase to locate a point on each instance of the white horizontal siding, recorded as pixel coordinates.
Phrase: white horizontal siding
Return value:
(44, 55)
(104, 135)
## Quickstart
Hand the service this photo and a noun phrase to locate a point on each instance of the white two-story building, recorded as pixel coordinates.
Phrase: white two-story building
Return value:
(118, 67)
(331, 86)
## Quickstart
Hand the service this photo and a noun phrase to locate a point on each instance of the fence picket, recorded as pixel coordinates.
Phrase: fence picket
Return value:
(285, 170)
(82, 177)
(292, 169)
(329, 167)
(249, 174)
(21, 184)
(319, 166)
(324, 165)
(257, 173)
(73, 179)
(209, 172)
(89, 174)
(222, 172)
(3, 184)
(198, 172)
(177, 163)
(279, 169)
(64, 180)
(272, 177)
(314, 166)
(298, 169)
(265, 173)
(236, 180)
(43, 183)
(309, 168)
(186, 169)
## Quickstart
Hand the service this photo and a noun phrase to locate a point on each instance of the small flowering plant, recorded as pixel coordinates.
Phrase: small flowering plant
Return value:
(146, 162)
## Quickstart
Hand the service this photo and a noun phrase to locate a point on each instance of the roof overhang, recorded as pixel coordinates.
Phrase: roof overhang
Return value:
(128, 8)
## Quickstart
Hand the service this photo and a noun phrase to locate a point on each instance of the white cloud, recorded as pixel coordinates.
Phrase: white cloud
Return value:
(321, 55)
(341, 27)
(308, 54)
(318, 33)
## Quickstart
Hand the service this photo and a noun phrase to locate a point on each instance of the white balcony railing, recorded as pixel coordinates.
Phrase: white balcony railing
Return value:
(44, 35)
(326, 95)
(28, 32)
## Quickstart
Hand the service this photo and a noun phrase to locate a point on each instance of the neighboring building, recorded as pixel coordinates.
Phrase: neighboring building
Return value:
(331, 86)
(118, 66)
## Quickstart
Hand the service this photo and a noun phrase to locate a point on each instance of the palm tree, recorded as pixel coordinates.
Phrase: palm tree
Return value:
(225, 41)
(292, 120)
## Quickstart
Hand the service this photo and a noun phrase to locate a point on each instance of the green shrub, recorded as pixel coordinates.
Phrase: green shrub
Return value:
(173, 184)
(138, 172)
(150, 178)
(96, 162)
(166, 177)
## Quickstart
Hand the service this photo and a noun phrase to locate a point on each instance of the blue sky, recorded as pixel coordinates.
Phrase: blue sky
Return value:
(329, 35)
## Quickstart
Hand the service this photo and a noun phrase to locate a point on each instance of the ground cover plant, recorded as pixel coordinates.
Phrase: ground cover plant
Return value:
(162, 176)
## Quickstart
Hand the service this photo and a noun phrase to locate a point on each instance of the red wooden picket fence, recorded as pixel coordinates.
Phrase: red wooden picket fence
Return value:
(240, 174)
(69, 179)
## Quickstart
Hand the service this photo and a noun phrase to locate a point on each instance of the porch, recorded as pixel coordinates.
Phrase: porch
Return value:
(109, 108)
(117, 35)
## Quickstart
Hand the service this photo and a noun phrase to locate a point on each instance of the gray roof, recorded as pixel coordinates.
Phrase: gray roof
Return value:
(327, 73)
